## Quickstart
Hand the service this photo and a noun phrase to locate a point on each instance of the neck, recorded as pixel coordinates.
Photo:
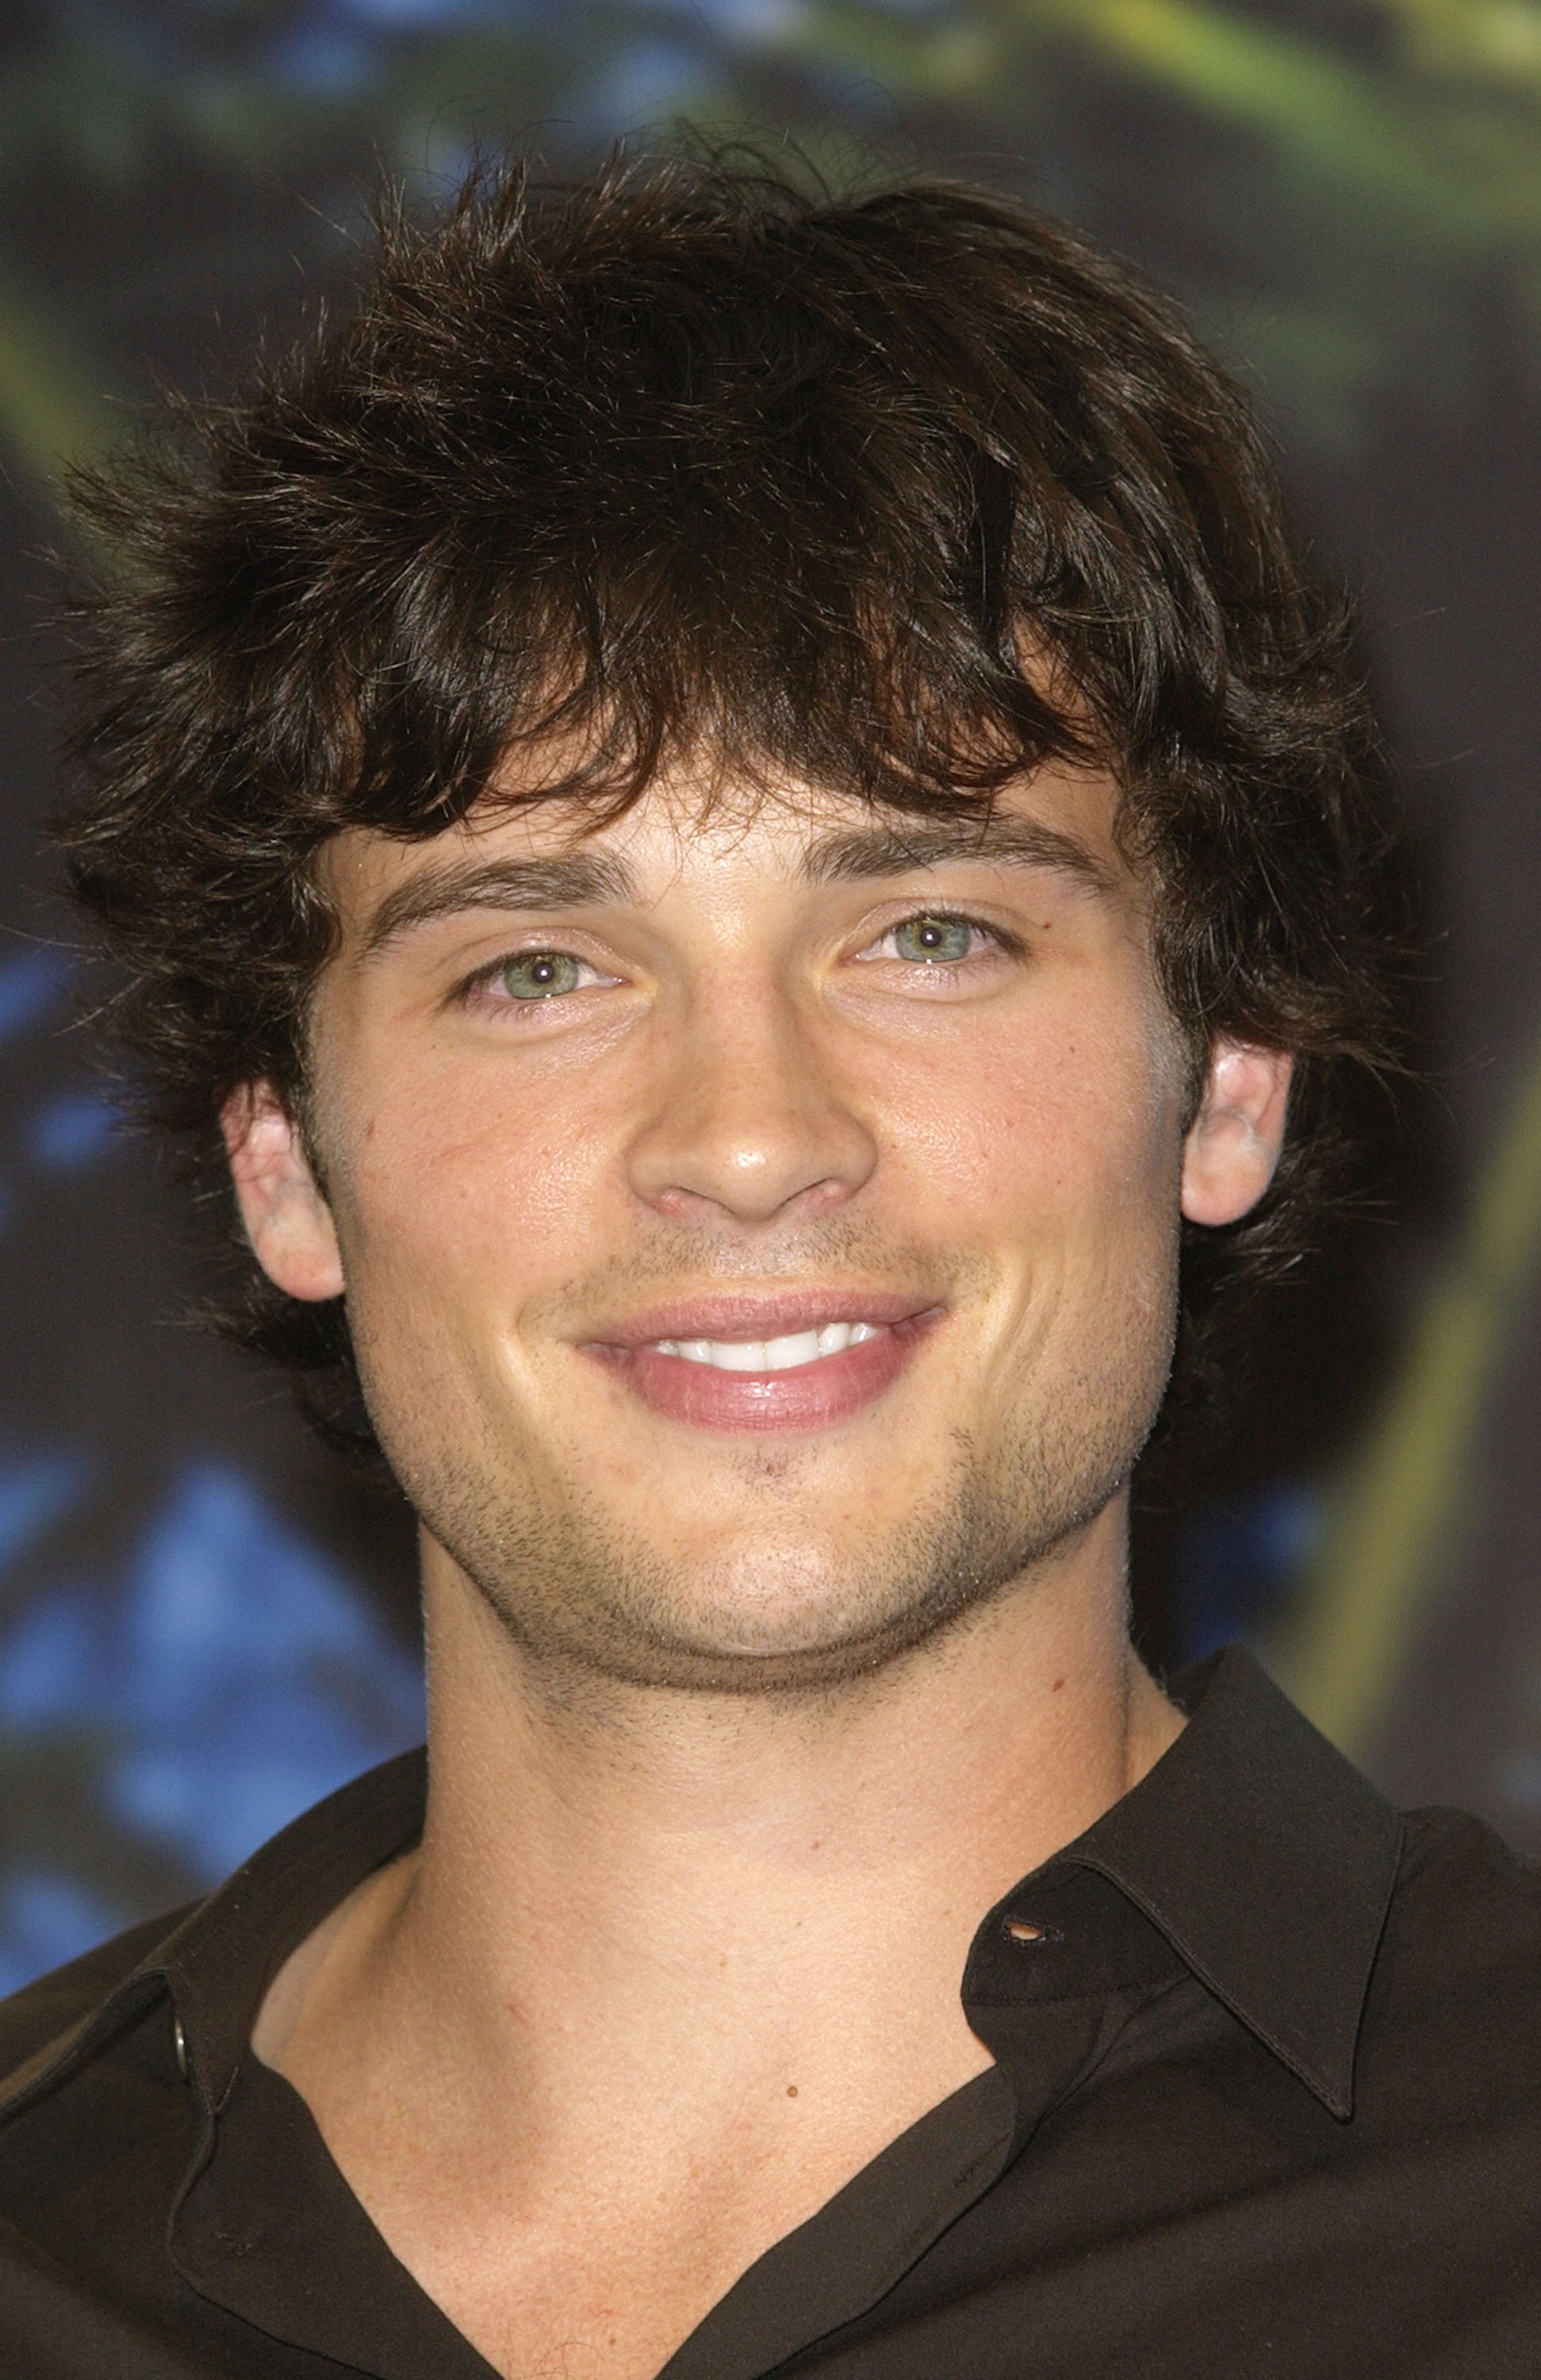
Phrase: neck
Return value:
(661, 1872)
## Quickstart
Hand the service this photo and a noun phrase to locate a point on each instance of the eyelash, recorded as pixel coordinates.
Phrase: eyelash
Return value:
(479, 984)
(1010, 945)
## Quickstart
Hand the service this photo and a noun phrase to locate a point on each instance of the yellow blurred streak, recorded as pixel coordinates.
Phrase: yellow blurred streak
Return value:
(1464, 175)
(1396, 1514)
(1495, 42)
(1438, 145)
(49, 414)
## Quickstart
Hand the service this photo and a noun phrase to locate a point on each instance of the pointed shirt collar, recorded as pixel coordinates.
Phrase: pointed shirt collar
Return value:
(1254, 1849)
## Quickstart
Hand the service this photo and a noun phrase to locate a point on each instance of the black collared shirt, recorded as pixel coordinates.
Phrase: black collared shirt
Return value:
(1266, 2102)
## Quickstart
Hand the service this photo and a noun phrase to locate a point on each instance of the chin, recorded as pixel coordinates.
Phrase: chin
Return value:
(659, 1621)
(760, 1599)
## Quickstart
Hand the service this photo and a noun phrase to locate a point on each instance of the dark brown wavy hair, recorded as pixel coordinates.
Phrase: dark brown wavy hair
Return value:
(694, 453)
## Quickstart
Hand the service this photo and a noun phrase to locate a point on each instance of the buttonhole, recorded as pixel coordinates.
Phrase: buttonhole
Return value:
(1022, 1929)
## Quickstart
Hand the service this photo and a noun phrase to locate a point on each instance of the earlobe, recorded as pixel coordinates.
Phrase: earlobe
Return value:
(288, 1220)
(1233, 1143)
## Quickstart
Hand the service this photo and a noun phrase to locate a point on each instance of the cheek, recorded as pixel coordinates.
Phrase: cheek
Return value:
(464, 1184)
(1075, 1121)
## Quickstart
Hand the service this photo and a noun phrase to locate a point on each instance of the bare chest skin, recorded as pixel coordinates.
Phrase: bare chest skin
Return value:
(614, 2284)
(602, 2251)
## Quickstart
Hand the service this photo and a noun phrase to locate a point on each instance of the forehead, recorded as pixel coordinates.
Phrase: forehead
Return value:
(694, 833)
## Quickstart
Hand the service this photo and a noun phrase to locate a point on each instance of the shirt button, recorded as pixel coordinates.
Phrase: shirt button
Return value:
(1022, 1930)
(179, 2043)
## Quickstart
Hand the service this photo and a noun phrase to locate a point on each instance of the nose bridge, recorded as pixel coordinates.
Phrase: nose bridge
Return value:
(747, 1116)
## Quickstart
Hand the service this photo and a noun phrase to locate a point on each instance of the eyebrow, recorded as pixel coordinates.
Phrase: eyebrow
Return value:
(893, 851)
(575, 882)
(585, 880)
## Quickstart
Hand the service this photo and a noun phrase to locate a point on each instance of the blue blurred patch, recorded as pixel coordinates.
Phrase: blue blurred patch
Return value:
(418, 16)
(1517, 1776)
(1237, 1565)
(751, 21)
(336, 49)
(44, 1921)
(234, 1676)
(72, 1130)
(643, 80)
(29, 983)
(35, 1491)
(328, 61)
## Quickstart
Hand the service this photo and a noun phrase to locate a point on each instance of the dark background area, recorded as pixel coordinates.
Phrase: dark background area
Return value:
(204, 1621)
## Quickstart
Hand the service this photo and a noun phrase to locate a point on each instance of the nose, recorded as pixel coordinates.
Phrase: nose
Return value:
(747, 1123)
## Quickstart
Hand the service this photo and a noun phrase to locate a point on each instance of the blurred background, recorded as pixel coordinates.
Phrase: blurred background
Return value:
(205, 1622)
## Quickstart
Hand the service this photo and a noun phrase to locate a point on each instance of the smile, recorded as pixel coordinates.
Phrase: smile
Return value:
(787, 1361)
(782, 1354)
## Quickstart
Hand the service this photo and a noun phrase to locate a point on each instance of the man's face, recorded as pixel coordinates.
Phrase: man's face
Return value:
(758, 1225)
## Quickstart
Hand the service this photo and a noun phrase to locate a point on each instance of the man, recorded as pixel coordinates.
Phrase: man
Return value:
(736, 806)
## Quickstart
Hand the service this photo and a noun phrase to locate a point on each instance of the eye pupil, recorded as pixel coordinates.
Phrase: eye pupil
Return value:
(536, 975)
(933, 939)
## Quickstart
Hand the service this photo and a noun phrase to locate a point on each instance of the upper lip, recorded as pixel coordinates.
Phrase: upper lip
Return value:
(765, 1314)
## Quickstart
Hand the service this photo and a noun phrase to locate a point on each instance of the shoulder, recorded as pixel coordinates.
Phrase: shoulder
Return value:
(1463, 1895)
(1455, 1995)
(44, 2011)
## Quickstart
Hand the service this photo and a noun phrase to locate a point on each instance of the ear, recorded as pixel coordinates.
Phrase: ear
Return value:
(288, 1220)
(1233, 1142)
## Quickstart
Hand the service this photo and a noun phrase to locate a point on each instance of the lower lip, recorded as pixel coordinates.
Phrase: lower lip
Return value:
(811, 1396)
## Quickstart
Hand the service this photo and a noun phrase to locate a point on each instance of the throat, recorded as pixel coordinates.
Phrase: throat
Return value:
(580, 2209)
(618, 2026)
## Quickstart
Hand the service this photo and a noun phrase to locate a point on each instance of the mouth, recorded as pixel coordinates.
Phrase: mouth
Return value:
(787, 1363)
(785, 1354)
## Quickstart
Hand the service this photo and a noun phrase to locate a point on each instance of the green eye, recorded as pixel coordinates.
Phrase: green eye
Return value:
(935, 941)
(540, 975)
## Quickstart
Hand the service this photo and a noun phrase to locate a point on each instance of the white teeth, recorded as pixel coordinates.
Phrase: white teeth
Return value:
(799, 1347)
(770, 1354)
